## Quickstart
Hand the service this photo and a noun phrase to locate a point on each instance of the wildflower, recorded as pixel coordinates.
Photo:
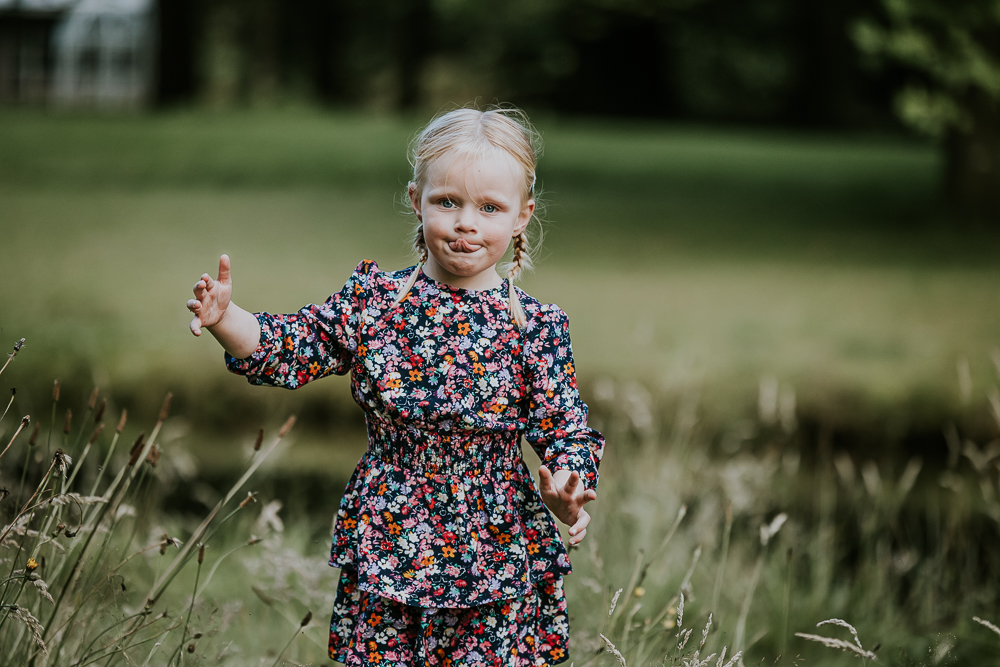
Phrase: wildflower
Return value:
(639, 591)
(32, 564)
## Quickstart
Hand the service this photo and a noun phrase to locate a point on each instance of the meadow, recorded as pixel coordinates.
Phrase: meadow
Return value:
(788, 341)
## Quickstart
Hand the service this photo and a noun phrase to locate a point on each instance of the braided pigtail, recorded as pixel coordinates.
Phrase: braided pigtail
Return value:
(421, 247)
(518, 264)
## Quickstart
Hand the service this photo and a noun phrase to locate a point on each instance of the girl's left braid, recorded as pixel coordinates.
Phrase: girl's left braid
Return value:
(421, 247)
(515, 308)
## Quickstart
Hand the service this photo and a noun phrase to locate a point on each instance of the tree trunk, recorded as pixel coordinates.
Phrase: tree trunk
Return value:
(972, 161)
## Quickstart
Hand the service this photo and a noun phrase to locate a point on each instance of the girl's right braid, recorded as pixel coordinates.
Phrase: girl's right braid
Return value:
(517, 314)
(420, 245)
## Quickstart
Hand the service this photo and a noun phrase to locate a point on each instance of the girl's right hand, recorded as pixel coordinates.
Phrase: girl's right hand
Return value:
(211, 297)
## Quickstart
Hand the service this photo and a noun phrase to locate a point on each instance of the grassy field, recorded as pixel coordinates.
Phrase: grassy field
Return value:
(726, 289)
(687, 258)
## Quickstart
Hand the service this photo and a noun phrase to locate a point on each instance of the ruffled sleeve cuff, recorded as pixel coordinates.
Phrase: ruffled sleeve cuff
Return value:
(258, 367)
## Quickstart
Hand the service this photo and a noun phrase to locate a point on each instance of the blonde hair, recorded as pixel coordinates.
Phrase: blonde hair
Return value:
(477, 133)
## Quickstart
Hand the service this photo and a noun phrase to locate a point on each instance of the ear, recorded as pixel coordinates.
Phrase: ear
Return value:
(524, 217)
(411, 190)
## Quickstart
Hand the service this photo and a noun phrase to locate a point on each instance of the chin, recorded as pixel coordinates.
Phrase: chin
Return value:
(464, 269)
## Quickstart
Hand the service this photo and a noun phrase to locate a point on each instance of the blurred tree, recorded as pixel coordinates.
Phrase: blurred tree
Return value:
(775, 62)
(952, 51)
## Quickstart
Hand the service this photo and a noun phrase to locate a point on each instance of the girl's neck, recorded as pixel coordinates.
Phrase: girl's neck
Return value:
(484, 280)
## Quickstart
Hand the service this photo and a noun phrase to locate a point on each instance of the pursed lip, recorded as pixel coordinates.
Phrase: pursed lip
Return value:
(461, 245)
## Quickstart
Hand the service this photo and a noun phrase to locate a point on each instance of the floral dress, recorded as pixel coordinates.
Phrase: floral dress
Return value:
(447, 552)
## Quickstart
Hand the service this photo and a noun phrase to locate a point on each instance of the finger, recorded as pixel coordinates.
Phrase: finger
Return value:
(224, 269)
(576, 539)
(199, 290)
(194, 305)
(196, 326)
(581, 523)
(589, 496)
(572, 483)
(207, 279)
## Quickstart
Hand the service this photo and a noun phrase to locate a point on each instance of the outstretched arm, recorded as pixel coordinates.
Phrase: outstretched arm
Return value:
(237, 330)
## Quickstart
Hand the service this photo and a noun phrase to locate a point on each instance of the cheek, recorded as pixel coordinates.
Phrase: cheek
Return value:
(434, 230)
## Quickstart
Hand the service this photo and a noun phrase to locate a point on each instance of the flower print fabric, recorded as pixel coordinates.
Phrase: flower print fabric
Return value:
(441, 511)
(530, 631)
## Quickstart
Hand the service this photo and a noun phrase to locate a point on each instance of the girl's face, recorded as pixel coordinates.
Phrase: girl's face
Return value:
(470, 208)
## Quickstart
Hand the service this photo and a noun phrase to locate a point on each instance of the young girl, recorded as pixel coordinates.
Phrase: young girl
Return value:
(447, 555)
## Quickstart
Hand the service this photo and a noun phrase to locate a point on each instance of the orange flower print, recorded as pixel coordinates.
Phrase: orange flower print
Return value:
(419, 370)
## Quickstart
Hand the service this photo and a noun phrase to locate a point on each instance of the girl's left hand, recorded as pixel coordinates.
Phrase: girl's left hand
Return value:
(565, 496)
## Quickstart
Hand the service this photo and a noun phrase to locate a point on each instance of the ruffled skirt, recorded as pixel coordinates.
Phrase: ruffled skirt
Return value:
(527, 631)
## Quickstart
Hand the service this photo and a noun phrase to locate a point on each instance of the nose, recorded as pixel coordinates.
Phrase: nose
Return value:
(466, 221)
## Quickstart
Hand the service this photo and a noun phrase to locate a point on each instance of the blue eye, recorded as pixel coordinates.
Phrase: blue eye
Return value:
(490, 208)
(447, 203)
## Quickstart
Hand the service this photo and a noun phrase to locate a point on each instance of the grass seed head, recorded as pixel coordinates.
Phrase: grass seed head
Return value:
(133, 455)
(100, 410)
(165, 410)
(260, 439)
(97, 433)
(68, 422)
(286, 427)
(305, 621)
(614, 601)
(62, 461)
(93, 399)
(121, 422)
(55, 391)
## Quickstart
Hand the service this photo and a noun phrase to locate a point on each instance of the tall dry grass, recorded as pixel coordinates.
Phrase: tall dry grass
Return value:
(748, 541)
(76, 588)
(759, 546)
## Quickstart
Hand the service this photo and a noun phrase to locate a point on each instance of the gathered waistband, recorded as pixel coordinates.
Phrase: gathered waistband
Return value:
(444, 453)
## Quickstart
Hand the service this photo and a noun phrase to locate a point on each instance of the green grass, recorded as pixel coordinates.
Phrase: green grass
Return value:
(686, 257)
(692, 261)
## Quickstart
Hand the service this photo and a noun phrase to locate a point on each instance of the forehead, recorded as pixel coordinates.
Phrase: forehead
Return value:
(494, 170)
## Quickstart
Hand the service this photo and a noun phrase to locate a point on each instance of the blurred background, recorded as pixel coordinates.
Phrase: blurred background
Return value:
(773, 223)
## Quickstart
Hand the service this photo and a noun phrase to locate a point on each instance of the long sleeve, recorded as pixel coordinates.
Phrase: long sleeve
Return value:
(316, 341)
(557, 421)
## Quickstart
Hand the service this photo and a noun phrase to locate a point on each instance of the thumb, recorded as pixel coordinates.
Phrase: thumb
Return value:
(224, 269)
